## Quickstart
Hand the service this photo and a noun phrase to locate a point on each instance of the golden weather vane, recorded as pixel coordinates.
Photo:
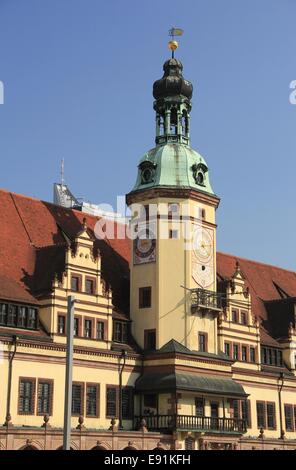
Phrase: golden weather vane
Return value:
(173, 44)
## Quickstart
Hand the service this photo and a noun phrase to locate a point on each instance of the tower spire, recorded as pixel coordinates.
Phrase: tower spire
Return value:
(172, 104)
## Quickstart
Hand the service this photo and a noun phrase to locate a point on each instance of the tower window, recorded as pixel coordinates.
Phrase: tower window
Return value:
(202, 342)
(150, 339)
(173, 209)
(174, 121)
(173, 234)
(200, 178)
(145, 297)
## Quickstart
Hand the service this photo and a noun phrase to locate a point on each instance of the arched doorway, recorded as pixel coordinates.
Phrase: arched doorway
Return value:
(99, 448)
(129, 448)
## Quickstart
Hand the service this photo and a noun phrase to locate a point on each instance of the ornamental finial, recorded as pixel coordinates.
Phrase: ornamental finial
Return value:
(173, 45)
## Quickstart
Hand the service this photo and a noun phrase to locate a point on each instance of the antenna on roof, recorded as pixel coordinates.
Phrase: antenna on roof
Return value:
(62, 172)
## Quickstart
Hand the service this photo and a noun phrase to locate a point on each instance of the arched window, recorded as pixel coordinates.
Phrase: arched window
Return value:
(174, 121)
(161, 125)
(184, 123)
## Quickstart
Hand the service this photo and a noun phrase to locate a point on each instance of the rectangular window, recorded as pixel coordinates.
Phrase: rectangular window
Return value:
(150, 339)
(235, 352)
(26, 396)
(244, 353)
(120, 332)
(100, 330)
(12, 315)
(199, 407)
(44, 398)
(173, 209)
(77, 399)
(173, 234)
(289, 417)
(261, 412)
(61, 324)
(111, 402)
(127, 403)
(252, 354)
(89, 286)
(3, 314)
(87, 328)
(75, 283)
(243, 318)
(145, 297)
(246, 412)
(271, 356)
(76, 326)
(22, 317)
(227, 349)
(236, 409)
(32, 318)
(234, 316)
(270, 408)
(92, 398)
(202, 342)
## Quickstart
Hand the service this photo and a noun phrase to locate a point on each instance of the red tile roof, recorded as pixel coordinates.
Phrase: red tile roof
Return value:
(32, 248)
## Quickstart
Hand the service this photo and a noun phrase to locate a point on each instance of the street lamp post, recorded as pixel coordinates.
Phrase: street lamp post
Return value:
(121, 365)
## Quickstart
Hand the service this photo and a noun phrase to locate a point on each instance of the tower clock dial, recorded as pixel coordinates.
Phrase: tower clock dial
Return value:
(202, 257)
(144, 247)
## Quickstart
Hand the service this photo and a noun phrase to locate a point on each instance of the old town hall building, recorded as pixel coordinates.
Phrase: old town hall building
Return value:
(176, 346)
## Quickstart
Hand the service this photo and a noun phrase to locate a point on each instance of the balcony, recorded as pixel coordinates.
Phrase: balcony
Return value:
(205, 300)
(170, 423)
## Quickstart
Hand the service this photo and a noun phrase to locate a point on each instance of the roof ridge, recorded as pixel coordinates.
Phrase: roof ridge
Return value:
(35, 199)
(255, 262)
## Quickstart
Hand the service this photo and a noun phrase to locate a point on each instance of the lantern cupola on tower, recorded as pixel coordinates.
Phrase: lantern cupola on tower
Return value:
(172, 104)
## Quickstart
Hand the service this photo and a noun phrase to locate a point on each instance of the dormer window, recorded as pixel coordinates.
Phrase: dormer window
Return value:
(147, 170)
(199, 173)
(19, 316)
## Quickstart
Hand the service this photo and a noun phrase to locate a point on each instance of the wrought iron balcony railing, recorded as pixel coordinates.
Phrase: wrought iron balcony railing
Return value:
(169, 423)
(201, 298)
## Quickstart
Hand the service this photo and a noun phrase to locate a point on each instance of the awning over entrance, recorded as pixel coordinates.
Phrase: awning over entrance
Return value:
(168, 382)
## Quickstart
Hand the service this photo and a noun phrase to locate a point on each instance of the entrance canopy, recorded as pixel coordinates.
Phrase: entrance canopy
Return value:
(172, 381)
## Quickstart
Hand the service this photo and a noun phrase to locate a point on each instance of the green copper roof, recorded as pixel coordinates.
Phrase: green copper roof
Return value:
(173, 165)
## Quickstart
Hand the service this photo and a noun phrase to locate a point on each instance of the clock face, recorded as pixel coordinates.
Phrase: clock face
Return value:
(202, 257)
(202, 245)
(144, 248)
(203, 274)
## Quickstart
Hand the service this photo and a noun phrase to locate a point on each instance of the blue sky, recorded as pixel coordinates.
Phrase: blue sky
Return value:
(78, 78)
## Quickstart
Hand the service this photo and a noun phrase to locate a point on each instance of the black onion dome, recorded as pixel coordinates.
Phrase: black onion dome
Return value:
(172, 83)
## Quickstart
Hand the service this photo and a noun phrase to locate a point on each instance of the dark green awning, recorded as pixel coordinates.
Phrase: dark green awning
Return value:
(168, 382)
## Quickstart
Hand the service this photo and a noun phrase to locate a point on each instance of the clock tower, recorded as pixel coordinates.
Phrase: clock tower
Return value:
(173, 230)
